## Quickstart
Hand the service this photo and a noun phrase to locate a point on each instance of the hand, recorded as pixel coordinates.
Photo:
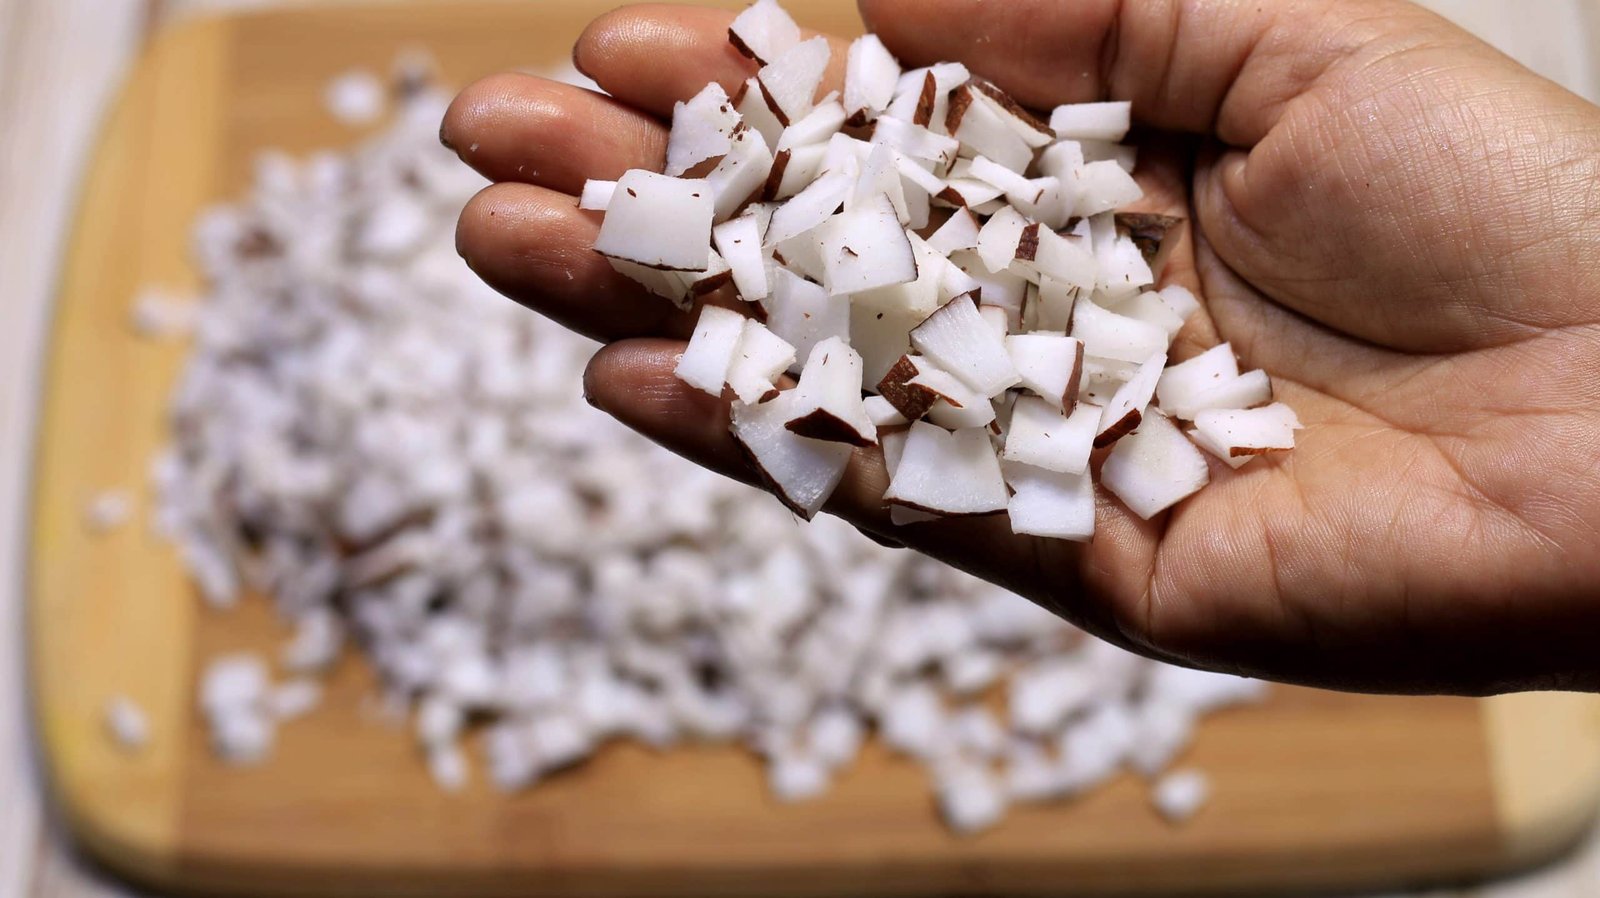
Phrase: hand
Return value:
(1399, 224)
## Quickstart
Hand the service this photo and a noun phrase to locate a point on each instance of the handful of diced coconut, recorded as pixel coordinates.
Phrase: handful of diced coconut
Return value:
(947, 276)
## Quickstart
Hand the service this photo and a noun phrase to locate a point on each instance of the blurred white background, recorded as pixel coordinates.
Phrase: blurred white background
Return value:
(60, 64)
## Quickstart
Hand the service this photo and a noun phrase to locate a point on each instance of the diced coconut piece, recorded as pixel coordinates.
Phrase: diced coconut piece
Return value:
(789, 83)
(827, 404)
(926, 94)
(1246, 433)
(846, 154)
(658, 222)
(666, 284)
(1000, 238)
(866, 248)
(803, 313)
(1249, 389)
(1149, 307)
(871, 73)
(705, 362)
(701, 129)
(894, 445)
(741, 173)
(1040, 436)
(957, 340)
(758, 362)
(1009, 180)
(999, 288)
(998, 318)
(801, 471)
(801, 255)
(969, 193)
(1092, 121)
(882, 413)
(916, 141)
(597, 195)
(1180, 301)
(1184, 381)
(739, 242)
(1122, 271)
(954, 281)
(1154, 468)
(1128, 406)
(983, 131)
(915, 172)
(1051, 365)
(1055, 257)
(753, 111)
(1050, 503)
(712, 278)
(912, 301)
(1046, 200)
(914, 384)
(1155, 235)
(810, 207)
(127, 723)
(970, 798)
(1100, 150)
(817, 127)
(1103, 186)
(794, 170)
(1108, 335)
(1181, 794)
(950, 473)
(1034, 131)
(764, 31)
(879, 176)
(1056, 302)
(958, 232)
(1062, 160)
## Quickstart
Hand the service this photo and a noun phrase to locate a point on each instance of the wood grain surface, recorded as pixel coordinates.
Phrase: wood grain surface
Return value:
(1312, 790)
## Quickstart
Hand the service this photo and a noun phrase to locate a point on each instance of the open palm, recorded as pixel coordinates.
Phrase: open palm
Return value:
(1393, 220)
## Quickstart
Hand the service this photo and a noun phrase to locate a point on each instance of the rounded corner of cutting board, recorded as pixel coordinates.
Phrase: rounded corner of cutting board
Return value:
(1544, 751)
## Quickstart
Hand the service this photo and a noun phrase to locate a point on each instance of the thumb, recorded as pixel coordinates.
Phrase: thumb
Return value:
(1227, 67)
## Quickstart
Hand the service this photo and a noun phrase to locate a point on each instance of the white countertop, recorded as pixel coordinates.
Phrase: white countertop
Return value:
(60, 62)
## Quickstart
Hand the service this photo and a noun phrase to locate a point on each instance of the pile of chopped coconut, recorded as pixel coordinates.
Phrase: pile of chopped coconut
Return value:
(948, 277)
(402, 461)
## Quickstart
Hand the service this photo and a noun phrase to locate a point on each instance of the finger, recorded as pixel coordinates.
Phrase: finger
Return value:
(516, 127)
(1097, 585)
(535, 246)
(652, 56)
(1186, 65)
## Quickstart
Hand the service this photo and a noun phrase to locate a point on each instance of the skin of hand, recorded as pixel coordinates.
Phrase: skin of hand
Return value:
(1398, 223)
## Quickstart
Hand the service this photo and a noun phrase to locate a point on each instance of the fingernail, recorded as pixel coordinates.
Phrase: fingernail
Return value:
(445, 140)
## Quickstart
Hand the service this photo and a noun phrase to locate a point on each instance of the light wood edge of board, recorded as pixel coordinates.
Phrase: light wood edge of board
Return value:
(1544, 754)
(123, 806)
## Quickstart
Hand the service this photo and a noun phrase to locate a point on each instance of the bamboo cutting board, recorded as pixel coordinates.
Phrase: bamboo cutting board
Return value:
(1312, 790)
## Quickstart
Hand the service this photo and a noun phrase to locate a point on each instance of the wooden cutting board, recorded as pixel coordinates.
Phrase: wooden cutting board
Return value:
(1311, 790)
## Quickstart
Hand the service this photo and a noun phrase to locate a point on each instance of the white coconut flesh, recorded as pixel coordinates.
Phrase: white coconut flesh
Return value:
(789, 83)
(926, 251)
(758, 363)
(871, 73)
(764, 31)
(702, 129)
(803, 472)
(1041, 436)
(828, 404)
(705, 362)
(948, 473)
